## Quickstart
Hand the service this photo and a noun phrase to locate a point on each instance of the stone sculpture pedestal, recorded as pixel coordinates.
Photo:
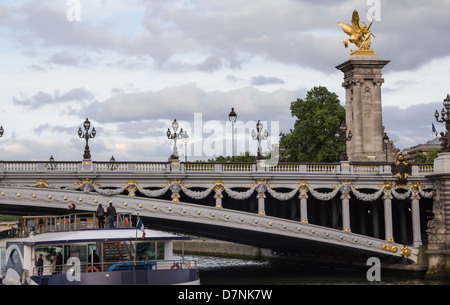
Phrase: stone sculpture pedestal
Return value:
(362, 83)
(438, 248)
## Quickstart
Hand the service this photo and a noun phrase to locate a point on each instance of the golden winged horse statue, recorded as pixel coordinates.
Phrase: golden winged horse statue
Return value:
(359, 33)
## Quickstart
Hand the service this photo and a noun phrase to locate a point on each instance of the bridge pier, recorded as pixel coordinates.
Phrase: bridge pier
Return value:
(438, 248)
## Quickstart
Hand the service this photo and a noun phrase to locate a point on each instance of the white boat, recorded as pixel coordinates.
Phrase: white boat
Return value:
(75, 251)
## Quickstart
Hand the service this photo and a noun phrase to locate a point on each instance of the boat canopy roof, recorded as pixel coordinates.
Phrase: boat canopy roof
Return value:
(97, 235)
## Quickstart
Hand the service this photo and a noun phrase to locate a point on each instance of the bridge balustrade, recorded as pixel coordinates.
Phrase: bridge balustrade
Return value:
(163, 167)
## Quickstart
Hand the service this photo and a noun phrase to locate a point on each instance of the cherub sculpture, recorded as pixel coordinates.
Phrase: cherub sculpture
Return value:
(359, 33)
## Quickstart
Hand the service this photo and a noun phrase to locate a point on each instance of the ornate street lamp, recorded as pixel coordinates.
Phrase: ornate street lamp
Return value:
(445, 117)
(87, 136)
(112, 164)
(51, 165)
(386, 145)
(259, 137)
(174, 136)
(344, 138)
(232, 116)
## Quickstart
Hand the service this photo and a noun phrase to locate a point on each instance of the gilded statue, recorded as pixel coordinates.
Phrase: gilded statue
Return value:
(359, 35)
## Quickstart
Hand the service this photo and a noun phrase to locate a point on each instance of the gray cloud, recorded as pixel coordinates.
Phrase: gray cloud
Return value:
(264, 80)
(303, 33)
(181, 102)
(41, 99)
(412, 125)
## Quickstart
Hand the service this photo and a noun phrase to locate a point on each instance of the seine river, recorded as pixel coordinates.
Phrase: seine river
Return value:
(229, 271)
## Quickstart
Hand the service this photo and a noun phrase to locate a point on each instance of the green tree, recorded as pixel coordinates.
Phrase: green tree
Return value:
(242, 157)
(319, 116)
(428, 157)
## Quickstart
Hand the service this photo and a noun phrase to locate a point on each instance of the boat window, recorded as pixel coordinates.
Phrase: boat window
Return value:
(79, 251)
(14, 257)
(146, 251)
(93, 247)
(160, 250)
(48, 252)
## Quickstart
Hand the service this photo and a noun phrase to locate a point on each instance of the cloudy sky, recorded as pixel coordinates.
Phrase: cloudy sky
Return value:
(133, 66)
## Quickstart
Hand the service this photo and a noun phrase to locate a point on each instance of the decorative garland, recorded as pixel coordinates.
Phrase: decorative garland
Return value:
(261, 186)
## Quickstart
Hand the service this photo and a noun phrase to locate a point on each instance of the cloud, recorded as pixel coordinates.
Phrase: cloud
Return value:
(264, 80)
(46, 127)
(302, 33)
(41, 99)
(181, 102)
(412, 125)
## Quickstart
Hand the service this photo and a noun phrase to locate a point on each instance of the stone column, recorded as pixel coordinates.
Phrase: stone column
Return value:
(438, 248)
(346, 212)
(218, 197)
(362, 81)
(417, 236)
(389, 235)
(261, 209)
(303, 188)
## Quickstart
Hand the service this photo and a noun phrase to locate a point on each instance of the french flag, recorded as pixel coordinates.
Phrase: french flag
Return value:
(140, 227)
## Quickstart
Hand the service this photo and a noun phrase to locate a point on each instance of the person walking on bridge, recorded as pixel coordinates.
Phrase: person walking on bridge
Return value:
(111, 213)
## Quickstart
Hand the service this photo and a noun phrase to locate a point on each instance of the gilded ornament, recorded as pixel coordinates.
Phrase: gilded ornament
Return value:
(41, 183)
(405, 251)
(359, 35)
(389, 247)
(131, 187)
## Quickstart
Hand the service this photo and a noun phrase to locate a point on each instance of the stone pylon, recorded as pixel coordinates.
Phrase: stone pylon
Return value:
(362, 83)
(438, 248)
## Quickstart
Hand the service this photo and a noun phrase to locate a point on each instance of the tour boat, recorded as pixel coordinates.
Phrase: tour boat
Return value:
(75, 251)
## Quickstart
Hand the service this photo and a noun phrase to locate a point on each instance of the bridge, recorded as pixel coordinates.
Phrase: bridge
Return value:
(346, 207)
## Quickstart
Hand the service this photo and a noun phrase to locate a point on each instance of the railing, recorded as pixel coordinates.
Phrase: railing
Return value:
(75, 221)
(116, 266)
(377, 168)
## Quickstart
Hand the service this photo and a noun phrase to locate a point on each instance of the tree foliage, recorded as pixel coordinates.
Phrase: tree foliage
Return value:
(319, 116)
(243, 157)
(428, 157)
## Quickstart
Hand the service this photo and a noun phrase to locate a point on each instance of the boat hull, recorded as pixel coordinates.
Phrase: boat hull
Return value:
(136, 277)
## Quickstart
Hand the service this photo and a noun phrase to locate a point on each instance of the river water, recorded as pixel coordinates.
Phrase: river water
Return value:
(230, 271)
